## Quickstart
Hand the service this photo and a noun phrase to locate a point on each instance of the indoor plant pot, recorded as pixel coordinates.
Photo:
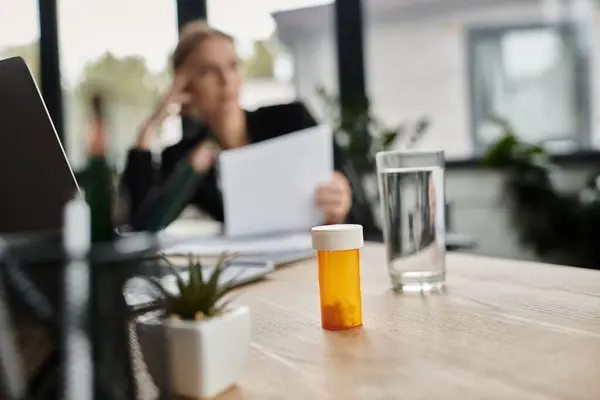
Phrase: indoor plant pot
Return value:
(195, 358)
(196, 346)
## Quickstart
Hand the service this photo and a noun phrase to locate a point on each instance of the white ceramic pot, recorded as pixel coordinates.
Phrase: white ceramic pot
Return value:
(203, 358)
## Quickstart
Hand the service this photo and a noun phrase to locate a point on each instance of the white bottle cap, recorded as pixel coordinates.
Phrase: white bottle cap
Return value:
(337, 237)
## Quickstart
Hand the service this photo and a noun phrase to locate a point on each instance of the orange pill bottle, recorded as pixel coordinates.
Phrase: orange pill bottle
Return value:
(338, 255)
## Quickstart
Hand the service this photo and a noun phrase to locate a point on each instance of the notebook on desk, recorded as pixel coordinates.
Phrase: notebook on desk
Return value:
(258, 256)
(280, 249)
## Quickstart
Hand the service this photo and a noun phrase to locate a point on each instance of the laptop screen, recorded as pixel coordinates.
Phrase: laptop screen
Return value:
(35, 176)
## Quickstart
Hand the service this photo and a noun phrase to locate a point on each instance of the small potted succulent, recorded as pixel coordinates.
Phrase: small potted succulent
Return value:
(195, 346)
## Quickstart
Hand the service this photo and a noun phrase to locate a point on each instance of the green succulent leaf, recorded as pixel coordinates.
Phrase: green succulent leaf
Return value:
(222, 292)
(177, 275)
(195, 270)
(197, 294)
(157, 284)
(212, 284)
(225, 304)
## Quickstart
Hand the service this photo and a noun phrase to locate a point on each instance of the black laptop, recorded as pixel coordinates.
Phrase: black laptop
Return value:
(35, 176)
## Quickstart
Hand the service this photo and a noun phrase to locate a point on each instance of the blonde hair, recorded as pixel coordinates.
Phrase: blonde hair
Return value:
(191, 35)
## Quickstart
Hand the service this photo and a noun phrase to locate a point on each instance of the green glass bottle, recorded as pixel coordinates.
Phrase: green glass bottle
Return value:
(113, 374)
(98, 179)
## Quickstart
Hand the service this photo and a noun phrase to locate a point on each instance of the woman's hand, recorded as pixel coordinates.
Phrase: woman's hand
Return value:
(204, 156)
(229, 125)
(171, 105)
(335, 199)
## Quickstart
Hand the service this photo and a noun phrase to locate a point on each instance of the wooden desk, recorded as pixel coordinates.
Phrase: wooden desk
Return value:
(503, 330)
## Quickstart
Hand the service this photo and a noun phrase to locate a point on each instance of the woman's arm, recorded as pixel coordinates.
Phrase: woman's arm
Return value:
(165, 202)
(139, 177)
(140, 174)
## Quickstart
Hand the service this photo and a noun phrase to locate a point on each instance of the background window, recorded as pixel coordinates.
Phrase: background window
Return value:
(19, 32)
(120, 49)
(529, 76)
(417, 65)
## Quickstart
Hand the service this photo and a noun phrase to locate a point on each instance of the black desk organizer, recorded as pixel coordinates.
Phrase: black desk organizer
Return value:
(32, 273)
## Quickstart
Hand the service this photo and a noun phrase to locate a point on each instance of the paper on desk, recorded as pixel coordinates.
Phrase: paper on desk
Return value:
(270, 186)
(211, 246)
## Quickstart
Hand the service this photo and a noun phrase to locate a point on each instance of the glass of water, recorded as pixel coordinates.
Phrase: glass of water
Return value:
(411, 189)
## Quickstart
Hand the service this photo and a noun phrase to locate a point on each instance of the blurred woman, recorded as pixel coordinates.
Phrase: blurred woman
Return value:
(207, 86)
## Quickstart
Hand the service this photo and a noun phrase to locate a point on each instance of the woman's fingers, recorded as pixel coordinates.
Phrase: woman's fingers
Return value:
(333, 212)
(171, 105)
(329, 198)
(178, 96)
(182, 98)
(181, 80)
(334, 199)
(177, 103)
(331, 193)
(330, 188)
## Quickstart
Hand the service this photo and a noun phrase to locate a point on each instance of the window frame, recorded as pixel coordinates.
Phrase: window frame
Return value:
(581, 87)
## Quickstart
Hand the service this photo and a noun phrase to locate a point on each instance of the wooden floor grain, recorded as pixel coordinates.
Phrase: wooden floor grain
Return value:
(502, 330)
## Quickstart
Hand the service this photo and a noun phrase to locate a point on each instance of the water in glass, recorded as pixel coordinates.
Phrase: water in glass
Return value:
(412, 199)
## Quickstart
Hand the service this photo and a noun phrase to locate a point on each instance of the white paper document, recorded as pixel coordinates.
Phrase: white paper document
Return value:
(212, 246)
(270, 186)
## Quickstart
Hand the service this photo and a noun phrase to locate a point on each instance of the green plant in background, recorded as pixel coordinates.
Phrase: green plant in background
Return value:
(509, 151)
(198, 298)
(560, 227)
(361, 134)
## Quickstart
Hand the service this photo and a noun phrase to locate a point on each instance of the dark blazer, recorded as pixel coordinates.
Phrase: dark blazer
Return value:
(265, 123)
